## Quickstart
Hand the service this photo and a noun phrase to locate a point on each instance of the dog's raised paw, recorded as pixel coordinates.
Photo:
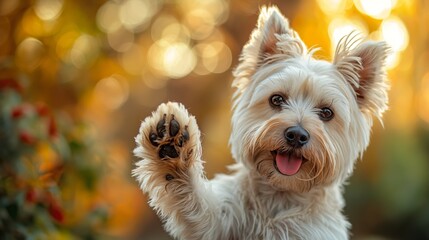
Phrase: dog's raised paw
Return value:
(169, 137)
(168, 144)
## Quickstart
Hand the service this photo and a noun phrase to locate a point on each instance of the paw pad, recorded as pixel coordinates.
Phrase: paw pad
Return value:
(168, 151)
(174, 127)
(169, 142)
(160, 127)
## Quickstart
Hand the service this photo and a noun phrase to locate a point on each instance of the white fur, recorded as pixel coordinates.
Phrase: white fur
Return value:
(256, 201)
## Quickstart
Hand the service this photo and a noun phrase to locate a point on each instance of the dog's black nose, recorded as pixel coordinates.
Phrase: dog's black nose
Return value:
(296, 136)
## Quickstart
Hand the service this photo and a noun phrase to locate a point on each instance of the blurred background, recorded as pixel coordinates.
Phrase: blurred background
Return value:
(77, 77)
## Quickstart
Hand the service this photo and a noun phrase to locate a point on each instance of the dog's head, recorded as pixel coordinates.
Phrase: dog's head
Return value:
(300, 122)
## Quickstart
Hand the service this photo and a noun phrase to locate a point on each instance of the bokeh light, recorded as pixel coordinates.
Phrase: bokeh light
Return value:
(378, 9)
(395, 33)
(341, 26)
(334, 6)
(178, 60)
(65, 43)
(200, 22)
(48, 10)
(134, 13)
(160, 24)
(35, 26)
(29, 54)
(84, 51)
(108, 17)
(112, 91)
(175, 60)
(121, 39)
(215, 57)
(393, 59)
(176, 32)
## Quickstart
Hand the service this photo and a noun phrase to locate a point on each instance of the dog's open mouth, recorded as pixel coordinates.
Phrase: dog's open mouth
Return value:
(288, 163)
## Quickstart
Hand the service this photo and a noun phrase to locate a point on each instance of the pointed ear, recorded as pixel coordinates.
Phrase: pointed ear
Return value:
(364, 68)
(272, 39)
(273, 36)
(271, 24)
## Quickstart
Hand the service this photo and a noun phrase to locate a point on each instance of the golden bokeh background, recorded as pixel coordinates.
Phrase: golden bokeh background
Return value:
(108, 64)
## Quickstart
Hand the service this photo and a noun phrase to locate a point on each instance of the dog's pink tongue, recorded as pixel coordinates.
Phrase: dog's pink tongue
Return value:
(288, 164)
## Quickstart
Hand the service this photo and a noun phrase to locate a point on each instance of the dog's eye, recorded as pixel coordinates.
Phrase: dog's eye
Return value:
(277, 100)
(326, 114)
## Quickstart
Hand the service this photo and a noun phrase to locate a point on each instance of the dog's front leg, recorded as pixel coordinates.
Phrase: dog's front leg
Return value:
(171, 172)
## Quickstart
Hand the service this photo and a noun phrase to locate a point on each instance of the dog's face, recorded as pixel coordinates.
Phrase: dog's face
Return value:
(299, 122)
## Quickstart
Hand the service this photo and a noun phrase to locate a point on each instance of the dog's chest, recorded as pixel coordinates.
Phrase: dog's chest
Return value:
(274, 207)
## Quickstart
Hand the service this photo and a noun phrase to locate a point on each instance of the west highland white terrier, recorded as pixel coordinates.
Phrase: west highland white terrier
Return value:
(298, 126)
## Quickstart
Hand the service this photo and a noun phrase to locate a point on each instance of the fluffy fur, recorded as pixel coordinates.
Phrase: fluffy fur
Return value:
(258, 201)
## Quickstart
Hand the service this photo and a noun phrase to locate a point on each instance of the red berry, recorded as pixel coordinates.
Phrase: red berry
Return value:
(31, 195)
(10, 83)
(56, 212)
(52, 127)
(17, 112)
(26, 138)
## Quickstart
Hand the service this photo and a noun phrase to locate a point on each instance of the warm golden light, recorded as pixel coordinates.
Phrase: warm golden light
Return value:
(154, 83)
(423, 100)
(134, 13)
(108, 17)
(133, 60)
(48, 10)
(160, 24)
(378, 9)
(29, 54)
(35, 26)
(176, 32)
(395, 33)
(84, 51)
(78, 77)
(339, 27)
(214, 57)
(200, 22)
(392, 60)
(112, 91)
(403, 107)
(334, 6)
(179, 60)
(174, 60)
(154, 55)
(216, 11)
(64, 44)
(120, 40)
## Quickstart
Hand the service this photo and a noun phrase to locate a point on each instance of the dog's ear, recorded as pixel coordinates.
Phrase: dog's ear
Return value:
(271, 40)
(272, 36)
(363, 67)
(271, 24)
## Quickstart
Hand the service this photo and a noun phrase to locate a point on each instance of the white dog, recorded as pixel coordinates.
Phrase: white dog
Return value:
(298, 126)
